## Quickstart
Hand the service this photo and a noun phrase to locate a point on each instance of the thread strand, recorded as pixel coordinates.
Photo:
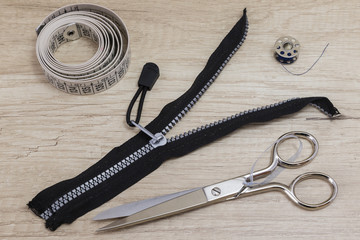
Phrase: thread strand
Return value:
(299, 74)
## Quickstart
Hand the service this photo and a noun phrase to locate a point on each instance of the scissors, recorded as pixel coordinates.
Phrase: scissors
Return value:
(151, 209)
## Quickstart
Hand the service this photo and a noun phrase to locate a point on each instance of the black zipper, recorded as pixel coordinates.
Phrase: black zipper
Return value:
(145, 149)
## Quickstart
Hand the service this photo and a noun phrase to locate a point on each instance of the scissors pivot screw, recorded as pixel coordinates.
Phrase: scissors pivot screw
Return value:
(216, 191)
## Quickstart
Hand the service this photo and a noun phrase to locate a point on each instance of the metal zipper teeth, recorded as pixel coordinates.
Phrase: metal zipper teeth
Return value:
(206, 86)
(325, 112)
(93, 182)
(241, 114)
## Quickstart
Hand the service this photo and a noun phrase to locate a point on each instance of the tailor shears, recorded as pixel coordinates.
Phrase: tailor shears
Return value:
(159, 207)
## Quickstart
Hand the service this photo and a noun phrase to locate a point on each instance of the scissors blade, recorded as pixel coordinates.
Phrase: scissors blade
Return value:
(181, 203)
(128, 209)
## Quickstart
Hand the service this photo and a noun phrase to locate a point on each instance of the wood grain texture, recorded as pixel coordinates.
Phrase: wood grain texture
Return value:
(47, 136)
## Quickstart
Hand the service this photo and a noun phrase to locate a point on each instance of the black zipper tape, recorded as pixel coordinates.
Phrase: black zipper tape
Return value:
(123, 166)
(217, 61)
(195, 139)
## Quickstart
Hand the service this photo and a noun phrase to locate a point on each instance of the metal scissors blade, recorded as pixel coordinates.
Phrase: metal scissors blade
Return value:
(179, 202)
(173, 206)
(128, 209)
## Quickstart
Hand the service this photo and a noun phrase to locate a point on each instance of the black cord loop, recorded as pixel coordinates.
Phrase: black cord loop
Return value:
(150, 73)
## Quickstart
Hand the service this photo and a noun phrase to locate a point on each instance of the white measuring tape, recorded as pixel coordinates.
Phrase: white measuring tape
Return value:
(108, 65)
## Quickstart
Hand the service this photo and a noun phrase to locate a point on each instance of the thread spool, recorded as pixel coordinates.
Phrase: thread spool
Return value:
(286, 49)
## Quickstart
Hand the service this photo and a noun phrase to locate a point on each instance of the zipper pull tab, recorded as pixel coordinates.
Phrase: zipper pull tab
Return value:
(148, 77)
(157, 140)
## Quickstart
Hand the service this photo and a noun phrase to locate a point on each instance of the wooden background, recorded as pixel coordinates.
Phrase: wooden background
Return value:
(47, 135)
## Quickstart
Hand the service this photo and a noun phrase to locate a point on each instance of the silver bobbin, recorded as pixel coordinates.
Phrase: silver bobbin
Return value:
(286, 49)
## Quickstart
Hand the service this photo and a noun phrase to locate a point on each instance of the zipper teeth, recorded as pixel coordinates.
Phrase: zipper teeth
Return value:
(206, 86)
(77, 191)
(322, 110)
(241, 114)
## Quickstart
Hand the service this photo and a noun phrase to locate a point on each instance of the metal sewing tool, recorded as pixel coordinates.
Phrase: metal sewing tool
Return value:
(286, 49)
(159, 207)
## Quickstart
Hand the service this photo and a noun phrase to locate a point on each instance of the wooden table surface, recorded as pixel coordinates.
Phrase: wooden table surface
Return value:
(47, 136)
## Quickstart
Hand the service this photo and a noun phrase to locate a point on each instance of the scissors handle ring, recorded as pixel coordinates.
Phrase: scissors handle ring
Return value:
(303, 135)
(312, 175)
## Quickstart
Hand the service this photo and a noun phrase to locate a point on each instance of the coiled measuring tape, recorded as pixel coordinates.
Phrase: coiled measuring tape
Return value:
(108, 65)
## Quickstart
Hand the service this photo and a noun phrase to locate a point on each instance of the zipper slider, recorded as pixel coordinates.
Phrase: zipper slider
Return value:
(157, 140)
